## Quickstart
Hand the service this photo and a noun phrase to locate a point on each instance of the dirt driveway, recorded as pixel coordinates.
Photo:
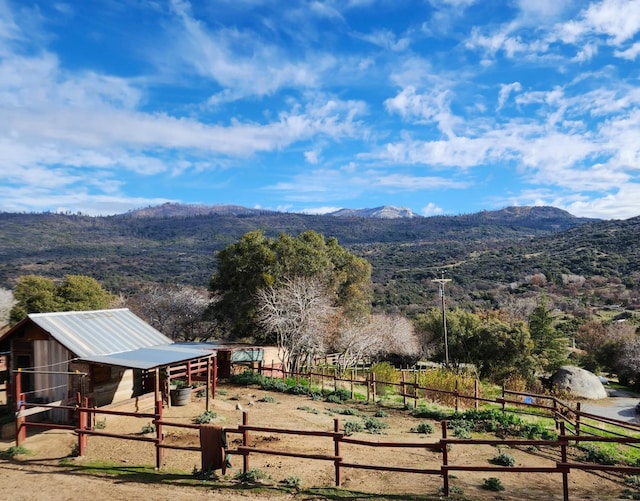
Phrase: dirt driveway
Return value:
(40, 476)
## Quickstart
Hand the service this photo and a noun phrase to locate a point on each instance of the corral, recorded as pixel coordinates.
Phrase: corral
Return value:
(311, 460)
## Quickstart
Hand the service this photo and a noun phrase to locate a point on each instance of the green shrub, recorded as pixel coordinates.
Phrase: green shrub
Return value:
(597, 455)
(334, 399)
(431, 413)
(351, 427)
(298, 389)
(100, 424)
(503, 459)
(346, 411)
(374, 425)
(246, 378)
(251, 476)
(381, 413)
(424, 428)
(205, 418)
(268, 399)
(292, 482)
(308, 409)
(148, 428)
(492, 484)
(15, 450)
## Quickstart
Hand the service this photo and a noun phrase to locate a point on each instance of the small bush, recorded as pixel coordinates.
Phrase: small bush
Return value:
(334, 399)
(148, 428)
(374, 425)
(292, 482)
(205, 418)
(268, 399)
(247, 378)
(298, 389)
(347, 411)
(308, 409)
(596, 455)
(492, 484)
(381, 413)
(424, 428)
(100, 424)
(503, 459)
(351, 427)
(251, 476)
(435, 414)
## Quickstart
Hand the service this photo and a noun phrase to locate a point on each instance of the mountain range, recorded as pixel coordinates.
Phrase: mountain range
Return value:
(486, 254)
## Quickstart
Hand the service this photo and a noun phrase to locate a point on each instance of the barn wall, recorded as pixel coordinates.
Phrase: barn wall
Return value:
(49, 355)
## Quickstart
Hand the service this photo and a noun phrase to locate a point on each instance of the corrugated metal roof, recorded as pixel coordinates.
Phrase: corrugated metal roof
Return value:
(151, 357)
(100, 332)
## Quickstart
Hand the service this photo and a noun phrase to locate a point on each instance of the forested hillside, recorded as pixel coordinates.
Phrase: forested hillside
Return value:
(487, 255)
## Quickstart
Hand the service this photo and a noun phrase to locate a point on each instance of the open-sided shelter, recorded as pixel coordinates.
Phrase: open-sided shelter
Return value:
(108, 356)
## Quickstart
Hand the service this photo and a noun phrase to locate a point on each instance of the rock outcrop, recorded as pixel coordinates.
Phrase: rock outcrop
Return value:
(579, 382)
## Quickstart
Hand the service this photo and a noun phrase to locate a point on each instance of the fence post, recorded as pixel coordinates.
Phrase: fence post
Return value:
(403, 388)
(159, 435)
(189, 373)
(445, 460)
(503, 399)
(563, 453)
(555, 412)
(351, 383)
(245, 442)
(322, 378)
(415, 391)
(476, 392)
(578, 411)
(456, 395)
(373, 386)
(336, 450)
(368, 387)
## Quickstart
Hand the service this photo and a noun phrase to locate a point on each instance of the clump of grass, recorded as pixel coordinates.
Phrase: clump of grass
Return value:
(594, 454)
(292, 482)
(15, 450)
(381, 413)
(100, 424)
(251, 476)
(268, 399)
(205, 418)
(306, 408)
(492, 484)
(347, 411)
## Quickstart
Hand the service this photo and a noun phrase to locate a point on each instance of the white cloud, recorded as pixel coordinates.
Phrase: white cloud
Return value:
(431, 209)
(631, 53)
(505, 92)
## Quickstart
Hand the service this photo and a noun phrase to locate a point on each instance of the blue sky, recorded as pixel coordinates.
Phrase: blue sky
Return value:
(440, 106)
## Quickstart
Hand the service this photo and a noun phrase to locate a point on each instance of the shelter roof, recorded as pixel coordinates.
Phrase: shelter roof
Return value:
(151, 357)
(99, 332)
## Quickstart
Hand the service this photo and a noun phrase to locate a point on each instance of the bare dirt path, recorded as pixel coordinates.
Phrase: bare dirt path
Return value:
(40, 475)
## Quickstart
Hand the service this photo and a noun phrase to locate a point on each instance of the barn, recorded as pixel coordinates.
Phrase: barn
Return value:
(109, 356)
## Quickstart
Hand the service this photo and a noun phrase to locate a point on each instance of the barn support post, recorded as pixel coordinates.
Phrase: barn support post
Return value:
(188, 372)
(214, 377)
(159, 435)
(83, 421)
(245, 442)
(19, 399)
(208, 387)
(336, 449)
(445, 460)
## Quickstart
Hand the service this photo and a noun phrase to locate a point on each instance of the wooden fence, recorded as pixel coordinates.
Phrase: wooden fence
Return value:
(574, 426)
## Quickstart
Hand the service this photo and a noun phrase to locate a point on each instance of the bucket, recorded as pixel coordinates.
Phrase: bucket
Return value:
(180, 396)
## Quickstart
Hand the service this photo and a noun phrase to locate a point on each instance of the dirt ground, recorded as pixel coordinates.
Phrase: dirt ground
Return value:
(40, 475)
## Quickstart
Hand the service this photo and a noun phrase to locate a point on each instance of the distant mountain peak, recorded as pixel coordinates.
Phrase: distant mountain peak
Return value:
(384, 212)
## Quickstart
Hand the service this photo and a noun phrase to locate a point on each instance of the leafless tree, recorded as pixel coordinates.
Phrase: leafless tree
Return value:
(6, 303)
(381, 335)
(299, 313)
(179, 312)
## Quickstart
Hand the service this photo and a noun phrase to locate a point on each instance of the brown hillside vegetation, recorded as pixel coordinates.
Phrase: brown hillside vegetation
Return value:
(41, 475)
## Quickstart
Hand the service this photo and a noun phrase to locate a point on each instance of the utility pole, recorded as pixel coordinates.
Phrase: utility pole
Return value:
(441, 282)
